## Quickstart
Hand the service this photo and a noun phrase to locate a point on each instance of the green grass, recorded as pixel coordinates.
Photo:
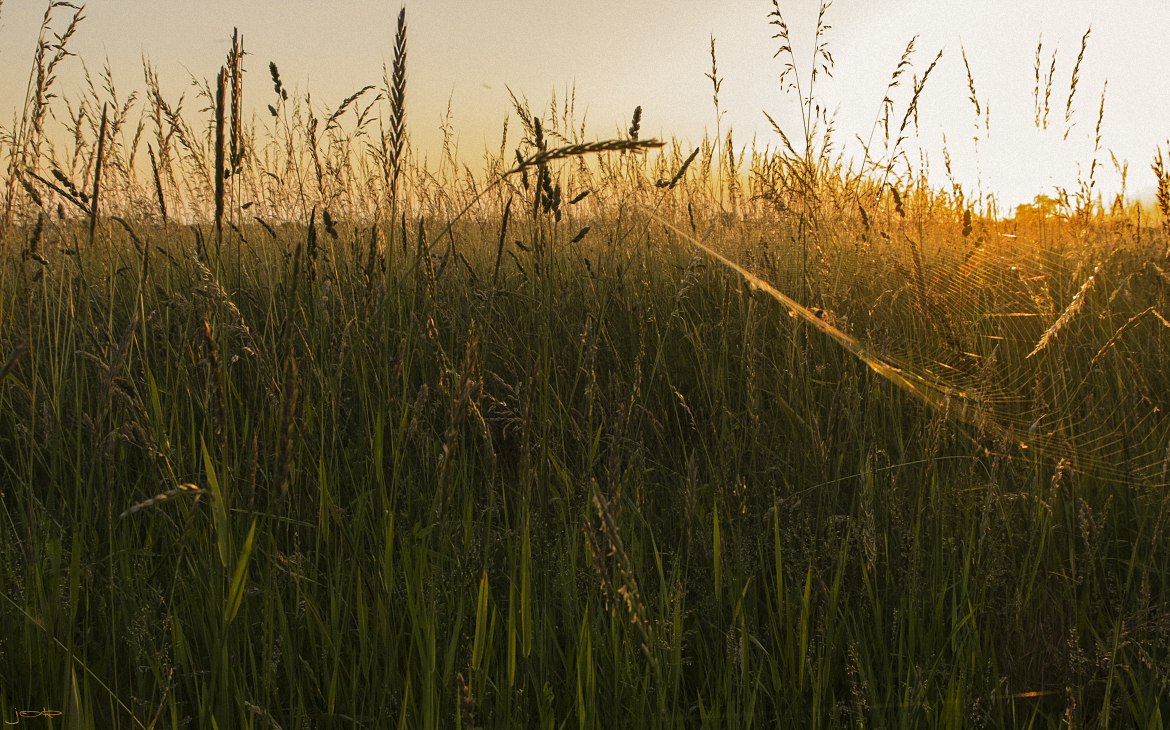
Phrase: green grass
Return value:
(619, 486)
(809, 544)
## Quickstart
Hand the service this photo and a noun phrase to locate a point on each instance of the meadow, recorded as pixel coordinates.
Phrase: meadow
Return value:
(297, 432)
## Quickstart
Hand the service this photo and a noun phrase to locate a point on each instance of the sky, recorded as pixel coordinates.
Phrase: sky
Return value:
(463, 57)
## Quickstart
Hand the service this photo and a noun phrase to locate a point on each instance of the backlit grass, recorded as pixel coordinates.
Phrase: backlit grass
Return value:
(339, 441)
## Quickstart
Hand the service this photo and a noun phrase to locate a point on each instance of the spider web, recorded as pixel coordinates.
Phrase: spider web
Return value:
(1054, 346)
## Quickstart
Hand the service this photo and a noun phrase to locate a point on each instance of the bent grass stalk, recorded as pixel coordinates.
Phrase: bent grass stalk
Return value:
(933, 392)
(537, 160)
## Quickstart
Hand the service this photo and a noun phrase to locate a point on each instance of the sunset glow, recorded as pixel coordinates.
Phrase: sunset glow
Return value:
(655, 54)
(665, 364)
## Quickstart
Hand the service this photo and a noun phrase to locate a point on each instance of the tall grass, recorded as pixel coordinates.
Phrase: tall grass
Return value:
(565, 444)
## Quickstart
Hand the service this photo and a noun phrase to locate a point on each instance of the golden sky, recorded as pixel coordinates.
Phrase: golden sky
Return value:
(655, 53)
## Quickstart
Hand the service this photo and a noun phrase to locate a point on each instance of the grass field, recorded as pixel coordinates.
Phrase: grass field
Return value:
(295, 433)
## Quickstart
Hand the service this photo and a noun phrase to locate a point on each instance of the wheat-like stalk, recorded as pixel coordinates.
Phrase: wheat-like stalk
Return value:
(97, 177)
(237, 88)
(24, 151)
(1048, 90)
(912, 107)
(1162, 194)
(1117, 335)
(162, 202)
(1072, 86)
(576, 150)
(970, 81)
(1036, 88)
(629, 591)
(220, 91)
(181, 489)
(1078, 302)
(932, 391)
(395, 89)
(503, 233)
(425, 255)
(522, 165)
(883, 115)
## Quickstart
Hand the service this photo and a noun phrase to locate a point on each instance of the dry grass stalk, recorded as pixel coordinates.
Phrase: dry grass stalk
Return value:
(732, 172)
(628, 592)
(822, 62)
(1165, 465)
(1085, 192)
(636, 123)
(331, 120)
(930, 390)
(266, 227)
(1048, 90)
(971, 88)
(1120, 331)
(181, 489)
(32, 192)
(716, 83)
(428, 264)
(503, 233)
(311, 246)
(277, 84)
(25, 150)
(371, 255)
(311, 133)
(1072, 86)
(1041, 109)
(237, 85)
(160, 113)
(912, 108)
(68, 192)
(669, 184)
(97, 178)
(887, 105)
(1162, 195)
(220, 90)
(576, 150)
(395, 89)
(1078, 301)
(898, 207)
(158, 188)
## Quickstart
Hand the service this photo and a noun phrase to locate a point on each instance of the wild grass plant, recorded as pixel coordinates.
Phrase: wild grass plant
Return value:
(297, 432)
